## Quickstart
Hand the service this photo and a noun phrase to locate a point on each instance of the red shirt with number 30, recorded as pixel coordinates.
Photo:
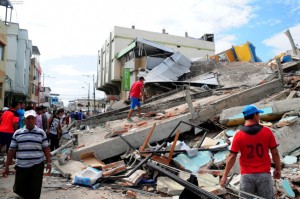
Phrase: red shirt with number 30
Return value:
(254, 150)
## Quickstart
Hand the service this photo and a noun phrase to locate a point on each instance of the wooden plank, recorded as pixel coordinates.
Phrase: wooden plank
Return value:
(142, 148)
(292, 94)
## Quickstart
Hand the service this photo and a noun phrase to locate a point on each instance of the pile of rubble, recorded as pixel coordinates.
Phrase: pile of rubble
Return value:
(180, 145)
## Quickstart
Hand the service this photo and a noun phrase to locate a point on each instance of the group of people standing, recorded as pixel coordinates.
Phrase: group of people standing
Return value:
(29, 135)
(13, 119)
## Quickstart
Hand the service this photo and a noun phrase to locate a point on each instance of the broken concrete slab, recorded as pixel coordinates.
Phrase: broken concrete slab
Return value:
(208, 142)
(206, 108)
(248, 96)
(69, 169)
(286, 121)
(175, 99)
(272, 111)
(288, 138)
(111, 147)
(168, 186)
(136, 177)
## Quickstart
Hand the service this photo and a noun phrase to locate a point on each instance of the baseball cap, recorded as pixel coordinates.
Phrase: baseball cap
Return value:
(251, 109)
(5, 109)
(29, 113)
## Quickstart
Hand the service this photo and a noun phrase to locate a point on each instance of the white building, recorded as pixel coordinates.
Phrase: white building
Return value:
(18, 59)
(122, 41)
(45, 97)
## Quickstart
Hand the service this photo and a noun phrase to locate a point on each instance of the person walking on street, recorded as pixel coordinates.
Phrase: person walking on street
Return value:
(9, 123)
(136, 90)
(21, 112)
(54, 129)
(254, 142)
(39, 119)
(30, 146)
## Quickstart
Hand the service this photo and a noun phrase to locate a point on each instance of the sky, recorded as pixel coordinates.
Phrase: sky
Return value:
(69, 33)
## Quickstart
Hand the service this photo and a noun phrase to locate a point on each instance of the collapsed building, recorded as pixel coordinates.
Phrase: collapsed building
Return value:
(191, 114)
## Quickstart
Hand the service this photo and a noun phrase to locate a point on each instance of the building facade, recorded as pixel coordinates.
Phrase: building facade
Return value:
(3, 48)
(35, 87)
(45, 97)
(18, 60)
(120, 43)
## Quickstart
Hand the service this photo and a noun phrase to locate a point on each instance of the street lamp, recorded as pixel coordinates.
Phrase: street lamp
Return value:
(44, 100)
(88, 113)
(94, 88)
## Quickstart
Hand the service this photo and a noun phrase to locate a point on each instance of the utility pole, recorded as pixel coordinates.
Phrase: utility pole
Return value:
(44, 85)
(94, 95)
(94, 91)
(89, 100)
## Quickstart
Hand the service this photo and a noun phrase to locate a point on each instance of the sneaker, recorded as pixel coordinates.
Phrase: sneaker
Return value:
(129, 120)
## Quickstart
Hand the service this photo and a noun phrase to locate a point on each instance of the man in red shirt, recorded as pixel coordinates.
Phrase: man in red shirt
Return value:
(254, 141)
(135, 92)
(9, 124)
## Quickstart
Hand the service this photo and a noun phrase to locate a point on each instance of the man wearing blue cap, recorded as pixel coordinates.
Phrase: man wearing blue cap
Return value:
(254, 141)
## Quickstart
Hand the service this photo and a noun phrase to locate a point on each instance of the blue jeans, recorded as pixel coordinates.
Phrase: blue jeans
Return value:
(260, 184)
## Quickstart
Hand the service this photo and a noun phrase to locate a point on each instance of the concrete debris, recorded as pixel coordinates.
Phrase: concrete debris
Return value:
(288, 160)
(168, 186)
(136, 177)
(112, 168)
(287, 121)
(91, 160)
(186, 130)
(69, 169)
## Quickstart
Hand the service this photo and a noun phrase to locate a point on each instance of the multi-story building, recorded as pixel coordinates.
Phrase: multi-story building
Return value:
(18, 59)
(123, 41)
(45, 96)
(35, 77)
(3, 46)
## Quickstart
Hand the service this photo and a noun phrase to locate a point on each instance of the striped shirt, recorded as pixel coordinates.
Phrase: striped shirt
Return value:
(29, 146)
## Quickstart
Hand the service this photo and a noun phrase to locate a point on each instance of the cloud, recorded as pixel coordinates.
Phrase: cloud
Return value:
(270, 22)
(66, 70)
(224, 42)
(70, 27)
(294, 5)
(280, 43)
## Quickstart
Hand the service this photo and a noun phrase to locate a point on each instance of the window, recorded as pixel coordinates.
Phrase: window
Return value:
(1, 89)
(1, 51)
(33, 88)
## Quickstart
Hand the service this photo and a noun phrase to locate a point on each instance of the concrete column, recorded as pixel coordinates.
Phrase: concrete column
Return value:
(294, 48)
(280, 71)
(190, 103)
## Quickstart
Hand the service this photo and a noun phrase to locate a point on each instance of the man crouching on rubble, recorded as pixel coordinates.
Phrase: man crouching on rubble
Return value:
(254, 141)
(30, 145)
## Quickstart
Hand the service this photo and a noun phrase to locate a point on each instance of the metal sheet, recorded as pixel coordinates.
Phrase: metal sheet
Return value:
(155, 45)
(170, 69)
(193, 164)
